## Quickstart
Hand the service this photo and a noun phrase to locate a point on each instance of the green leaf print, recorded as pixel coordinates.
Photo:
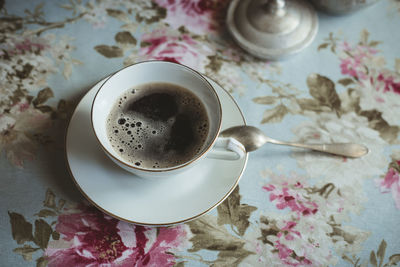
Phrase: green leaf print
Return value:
(346, 81)
(323, 46)
(393, 260)
(265, 100)
(109, 51)
(125, 37)
(274, 115)
(209, 235)
(380, 255)
(180, 264)
(323, 90)
(397, 65)
(55, 235)
(46, 213)
(43, 96)
(388, 132)
(49, 200)
(381, 252)
(42, 233)
(118, 14)
(232, 212)
(26, 252)
(21, 230)
(41, 262)
(311, 105)
(372, 259)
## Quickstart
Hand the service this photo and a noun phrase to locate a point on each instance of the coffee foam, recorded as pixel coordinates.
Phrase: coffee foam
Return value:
(158, 125)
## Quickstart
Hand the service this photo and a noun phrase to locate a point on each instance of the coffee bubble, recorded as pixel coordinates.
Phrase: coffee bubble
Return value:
(168, 125)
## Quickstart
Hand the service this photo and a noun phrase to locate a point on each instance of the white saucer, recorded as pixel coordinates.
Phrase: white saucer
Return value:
(141, 201)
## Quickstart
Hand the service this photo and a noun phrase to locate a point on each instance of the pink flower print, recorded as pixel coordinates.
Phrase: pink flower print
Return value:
(353, 67)
(90, 238)
(389, 84)
(345, 46)
(286, 197)
(354, 60)
(198, 16)
(298, 185)
(179, 49)
(269, 187)
(159, 253)
(29, 46)
(287, 256)
(391, 183)
(232, 54)
(346, 67)
(22, 106)
(284, 251)
(288, 231)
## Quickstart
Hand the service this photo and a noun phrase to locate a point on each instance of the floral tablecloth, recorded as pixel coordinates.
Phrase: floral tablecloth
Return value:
(291, 207)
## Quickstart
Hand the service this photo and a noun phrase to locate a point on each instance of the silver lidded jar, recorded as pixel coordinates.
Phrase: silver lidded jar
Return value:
(342, 7)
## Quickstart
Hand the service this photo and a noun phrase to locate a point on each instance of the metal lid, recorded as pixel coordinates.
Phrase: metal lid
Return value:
(272, 29)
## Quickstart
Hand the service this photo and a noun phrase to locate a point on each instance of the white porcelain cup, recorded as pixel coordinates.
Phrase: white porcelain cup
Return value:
(165, 72)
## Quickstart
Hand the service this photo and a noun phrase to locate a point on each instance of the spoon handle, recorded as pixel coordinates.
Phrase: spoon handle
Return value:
(342, 149)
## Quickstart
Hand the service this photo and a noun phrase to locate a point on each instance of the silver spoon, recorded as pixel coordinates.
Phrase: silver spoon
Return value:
(253, 138)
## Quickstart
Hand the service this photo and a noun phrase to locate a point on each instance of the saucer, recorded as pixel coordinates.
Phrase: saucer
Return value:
(169, 201)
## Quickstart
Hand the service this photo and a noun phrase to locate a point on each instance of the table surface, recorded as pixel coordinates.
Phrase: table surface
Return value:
(291, 207)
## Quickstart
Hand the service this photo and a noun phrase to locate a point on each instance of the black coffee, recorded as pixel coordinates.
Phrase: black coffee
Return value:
(158, 125)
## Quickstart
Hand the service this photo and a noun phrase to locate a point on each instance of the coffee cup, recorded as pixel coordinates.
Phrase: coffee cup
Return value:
(157, 72)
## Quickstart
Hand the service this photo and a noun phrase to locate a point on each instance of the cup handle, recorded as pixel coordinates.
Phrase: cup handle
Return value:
(227, 148)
